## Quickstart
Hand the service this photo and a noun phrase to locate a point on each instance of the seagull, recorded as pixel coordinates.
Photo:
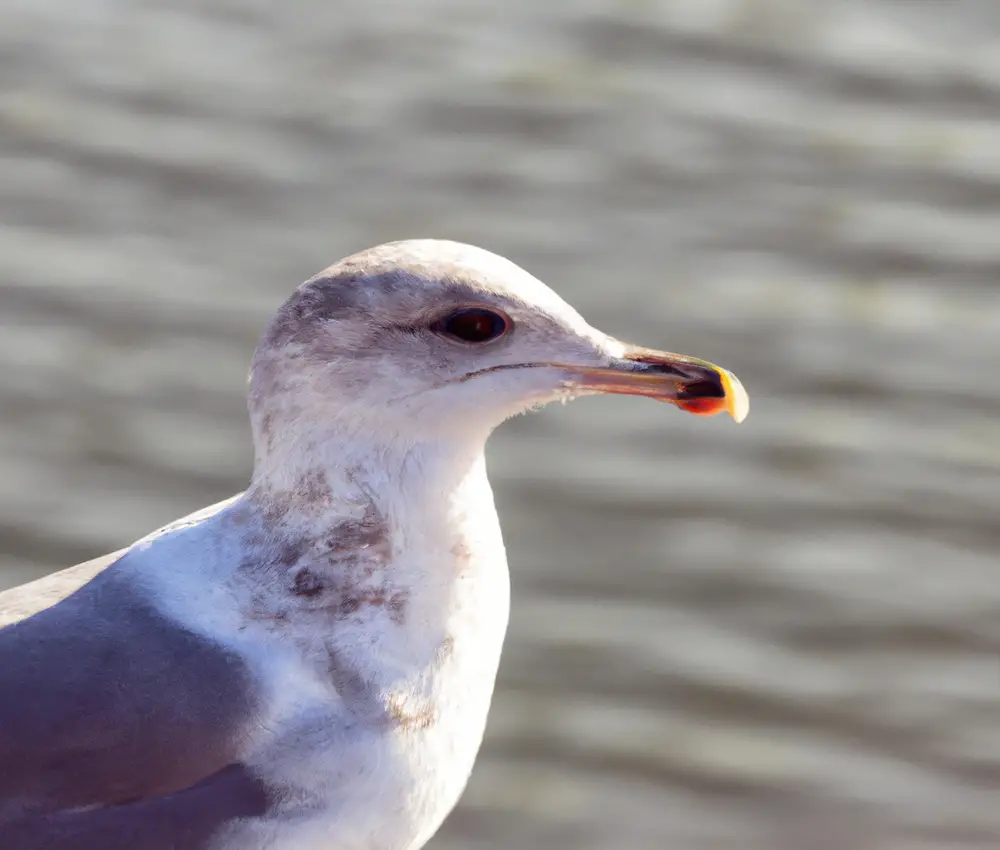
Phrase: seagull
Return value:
(309, 665)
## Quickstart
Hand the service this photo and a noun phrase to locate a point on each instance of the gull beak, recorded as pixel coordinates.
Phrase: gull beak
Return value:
(696, 386)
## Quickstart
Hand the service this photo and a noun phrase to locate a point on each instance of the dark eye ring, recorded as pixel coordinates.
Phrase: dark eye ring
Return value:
(474, 325)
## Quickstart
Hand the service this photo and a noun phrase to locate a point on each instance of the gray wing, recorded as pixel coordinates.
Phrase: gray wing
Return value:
(187, 820)
(19, 603)
(23, 601)
(105, 702)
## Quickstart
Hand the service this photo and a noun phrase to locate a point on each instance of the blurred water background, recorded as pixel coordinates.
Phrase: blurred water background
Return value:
(782, 636)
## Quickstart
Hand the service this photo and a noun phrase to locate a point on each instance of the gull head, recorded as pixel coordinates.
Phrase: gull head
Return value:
(431, 339)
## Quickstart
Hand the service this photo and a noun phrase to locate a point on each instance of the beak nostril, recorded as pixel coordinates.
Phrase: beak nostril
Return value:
(658, 367)
(664, 369)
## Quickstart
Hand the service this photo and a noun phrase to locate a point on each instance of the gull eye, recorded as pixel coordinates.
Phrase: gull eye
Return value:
(473, 324)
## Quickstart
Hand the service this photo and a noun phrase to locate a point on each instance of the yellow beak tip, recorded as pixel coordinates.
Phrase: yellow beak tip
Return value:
(737, 400)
